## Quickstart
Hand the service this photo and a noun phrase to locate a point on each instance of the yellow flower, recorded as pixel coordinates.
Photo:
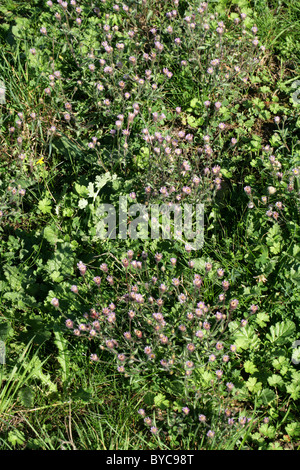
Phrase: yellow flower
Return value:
(40, 161)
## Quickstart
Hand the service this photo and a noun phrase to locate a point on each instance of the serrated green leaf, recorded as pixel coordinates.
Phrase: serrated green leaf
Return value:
(281, 332)
(45, 206)
(102, 180)
(253, 385)
(26, 395)
(250, 368)
(82, 203)
(275, 381)
(161, 401)
(246, 338)
(262, 318)
(268, 430)
(293, 389)
(293, 430)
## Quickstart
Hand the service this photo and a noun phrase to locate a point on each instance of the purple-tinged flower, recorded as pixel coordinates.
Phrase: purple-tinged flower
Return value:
(82, 268)
(55, 302)
(233, 304)
(191, 347)
(97, 280)
(182, 298)
(199, 334)
(219, 316)
(69, 323)
(104, 267)
(189, 364)
(242, 420)
(154, 430)
(220, 272)
(163, 339)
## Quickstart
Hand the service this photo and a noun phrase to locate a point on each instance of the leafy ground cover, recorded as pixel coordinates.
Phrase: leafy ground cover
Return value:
(147, 342)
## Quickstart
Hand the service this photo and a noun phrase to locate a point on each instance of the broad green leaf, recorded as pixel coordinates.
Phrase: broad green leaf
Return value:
(161, 401)
(226, 173)
(82, 394)
(246, 338)
(267, 396)
(81, 190)
(262, 318)
(275, 381)
(293, 430)
(50, 234)
(26, 395)
(293, 389)
(250, 368)
(195, 102)
(253, 385)
(45, 206)
(102, 180)
(281, 332)
(268, 430)
(5, 330)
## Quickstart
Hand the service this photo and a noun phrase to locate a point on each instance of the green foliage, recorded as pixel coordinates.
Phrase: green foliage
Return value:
(162, 106)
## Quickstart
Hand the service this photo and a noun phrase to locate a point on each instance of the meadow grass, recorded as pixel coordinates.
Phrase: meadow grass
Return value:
(135, 344)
